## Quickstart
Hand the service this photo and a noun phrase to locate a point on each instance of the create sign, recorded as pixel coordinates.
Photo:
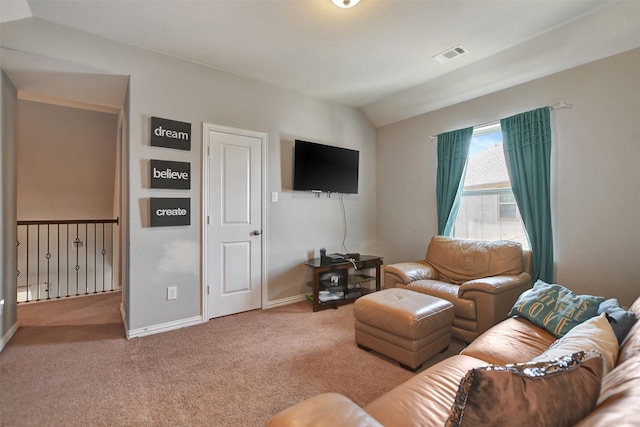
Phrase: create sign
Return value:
(167, 174)
(170, 211)
(170, 134)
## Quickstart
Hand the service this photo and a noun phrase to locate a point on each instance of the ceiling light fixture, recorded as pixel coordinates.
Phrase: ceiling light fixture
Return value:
(345, 3)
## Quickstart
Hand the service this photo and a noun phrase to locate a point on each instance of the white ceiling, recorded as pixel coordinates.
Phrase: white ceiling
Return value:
(376, 55)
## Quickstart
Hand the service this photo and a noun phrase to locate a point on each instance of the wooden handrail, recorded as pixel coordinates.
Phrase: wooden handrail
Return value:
(70, 221)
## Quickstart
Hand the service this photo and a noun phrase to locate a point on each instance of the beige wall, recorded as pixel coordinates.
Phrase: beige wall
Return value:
(66, 162)
(298, 225)
(8, 112)
(595, 157)
(595, 184)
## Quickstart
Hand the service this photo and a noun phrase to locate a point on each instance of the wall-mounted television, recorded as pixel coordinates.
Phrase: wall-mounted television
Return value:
(325, 168)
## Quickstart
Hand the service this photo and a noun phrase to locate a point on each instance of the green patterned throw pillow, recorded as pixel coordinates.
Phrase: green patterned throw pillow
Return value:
(555, 308)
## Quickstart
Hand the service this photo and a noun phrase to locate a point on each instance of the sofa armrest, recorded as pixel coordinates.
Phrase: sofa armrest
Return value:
(407, 272)
(327, 409)
(495, 284)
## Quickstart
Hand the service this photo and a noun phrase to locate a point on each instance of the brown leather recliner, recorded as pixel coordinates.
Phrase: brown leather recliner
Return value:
(482, 279)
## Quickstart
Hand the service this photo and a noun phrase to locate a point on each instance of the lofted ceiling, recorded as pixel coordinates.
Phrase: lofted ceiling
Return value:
(377, 56)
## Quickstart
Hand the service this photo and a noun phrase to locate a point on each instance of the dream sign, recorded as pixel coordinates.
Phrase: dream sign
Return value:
(170, 134)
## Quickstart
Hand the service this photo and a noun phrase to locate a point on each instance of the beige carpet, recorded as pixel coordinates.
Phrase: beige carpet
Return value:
(69, 364)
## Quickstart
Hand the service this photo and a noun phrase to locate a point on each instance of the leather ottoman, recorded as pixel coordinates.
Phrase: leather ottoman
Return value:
(409, 327)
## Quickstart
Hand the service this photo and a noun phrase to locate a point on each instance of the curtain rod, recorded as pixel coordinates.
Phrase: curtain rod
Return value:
(558, 106)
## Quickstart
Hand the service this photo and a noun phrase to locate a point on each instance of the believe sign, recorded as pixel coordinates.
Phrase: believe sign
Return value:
(166, 174)
(170, 134)
(167, 212)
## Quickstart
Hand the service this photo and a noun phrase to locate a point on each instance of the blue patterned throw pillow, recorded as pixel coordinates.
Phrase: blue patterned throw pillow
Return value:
(555, 308)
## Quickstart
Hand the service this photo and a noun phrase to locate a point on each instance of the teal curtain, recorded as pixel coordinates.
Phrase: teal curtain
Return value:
(526, 141)
(453, 149)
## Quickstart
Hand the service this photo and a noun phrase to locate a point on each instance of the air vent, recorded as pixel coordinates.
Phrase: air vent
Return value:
(450, 54)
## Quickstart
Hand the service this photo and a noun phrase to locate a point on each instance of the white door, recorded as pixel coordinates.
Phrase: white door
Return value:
(233, 240)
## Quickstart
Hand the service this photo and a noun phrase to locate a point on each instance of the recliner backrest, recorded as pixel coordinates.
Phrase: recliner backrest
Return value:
(461, 260)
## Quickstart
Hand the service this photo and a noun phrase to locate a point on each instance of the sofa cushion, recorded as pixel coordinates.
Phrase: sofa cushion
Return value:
(461, 260)
(511, 341)
(630, 347)
(619, 397)
(555, 307)
(425, 399)
(313, 412)
(529, 394)
(593, 334)
(620, 393)
(465, 308)
(620, 319)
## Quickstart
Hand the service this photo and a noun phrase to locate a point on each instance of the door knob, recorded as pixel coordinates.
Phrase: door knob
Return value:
(256, 232)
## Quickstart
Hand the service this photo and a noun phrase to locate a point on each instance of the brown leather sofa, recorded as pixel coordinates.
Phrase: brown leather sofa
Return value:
(482, 279)
(426, 399)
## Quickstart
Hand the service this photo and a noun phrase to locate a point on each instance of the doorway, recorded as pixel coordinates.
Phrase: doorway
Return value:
(40, 98)
(234, 164)
(68, 201)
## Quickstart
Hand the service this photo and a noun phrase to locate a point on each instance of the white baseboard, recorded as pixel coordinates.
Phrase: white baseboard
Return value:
(163, 327)
(124, 319)
(5, 339)
(192, 321)
(286, 301)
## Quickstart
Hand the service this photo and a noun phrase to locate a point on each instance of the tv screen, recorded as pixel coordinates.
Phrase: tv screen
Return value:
(325, 168)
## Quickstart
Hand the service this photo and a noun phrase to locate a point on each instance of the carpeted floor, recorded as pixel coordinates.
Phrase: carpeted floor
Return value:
(69, 364)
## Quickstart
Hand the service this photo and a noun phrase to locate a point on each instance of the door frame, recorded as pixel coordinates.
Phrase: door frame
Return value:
(263, 136)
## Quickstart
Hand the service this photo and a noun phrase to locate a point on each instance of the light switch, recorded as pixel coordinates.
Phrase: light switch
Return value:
(274, 196)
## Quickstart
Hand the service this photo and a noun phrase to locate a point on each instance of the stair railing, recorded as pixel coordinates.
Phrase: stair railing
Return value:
(64, 258)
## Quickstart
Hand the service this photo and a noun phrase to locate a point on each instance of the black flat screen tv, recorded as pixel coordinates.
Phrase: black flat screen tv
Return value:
(324, 168)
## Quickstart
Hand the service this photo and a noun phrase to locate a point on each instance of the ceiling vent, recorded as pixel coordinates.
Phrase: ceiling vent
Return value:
(450, 54)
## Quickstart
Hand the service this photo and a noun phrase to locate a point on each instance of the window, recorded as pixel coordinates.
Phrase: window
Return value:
(488, 209)
(507, 208)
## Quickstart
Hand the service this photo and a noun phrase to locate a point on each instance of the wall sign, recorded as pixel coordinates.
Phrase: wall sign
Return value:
(167, 212)
(167, 174)
(170, 134)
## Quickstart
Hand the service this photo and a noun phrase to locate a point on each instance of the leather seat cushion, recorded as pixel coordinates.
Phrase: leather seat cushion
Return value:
(313, 411)
(464, 308)
(514, 340)
(424, 400)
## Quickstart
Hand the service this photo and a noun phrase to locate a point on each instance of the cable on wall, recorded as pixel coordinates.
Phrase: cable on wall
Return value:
(344, 223)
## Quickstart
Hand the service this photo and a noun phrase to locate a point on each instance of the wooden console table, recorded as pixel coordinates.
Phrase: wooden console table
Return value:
(328, 294)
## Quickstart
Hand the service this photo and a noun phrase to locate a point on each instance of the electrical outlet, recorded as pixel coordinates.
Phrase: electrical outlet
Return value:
(274, 196)
(172, 292)
(1, 306)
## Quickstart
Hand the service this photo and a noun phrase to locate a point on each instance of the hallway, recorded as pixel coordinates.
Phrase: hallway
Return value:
(89, 318)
